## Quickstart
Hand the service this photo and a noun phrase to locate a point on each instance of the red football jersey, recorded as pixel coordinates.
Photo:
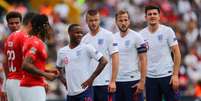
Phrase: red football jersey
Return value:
(13, 51)
(35, 48)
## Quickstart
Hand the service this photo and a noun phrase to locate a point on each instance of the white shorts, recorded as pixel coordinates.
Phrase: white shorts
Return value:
(35, 93)
(12, 89)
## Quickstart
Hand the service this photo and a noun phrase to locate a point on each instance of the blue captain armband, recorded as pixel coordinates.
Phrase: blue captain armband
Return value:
(142, 48)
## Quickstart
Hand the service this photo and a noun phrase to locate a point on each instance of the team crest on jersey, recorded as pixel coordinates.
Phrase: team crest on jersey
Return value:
(10, 44)
(100, 41)
(160, 37)
(33, 50)
(66, 60)
(127, 43)
(78, 53)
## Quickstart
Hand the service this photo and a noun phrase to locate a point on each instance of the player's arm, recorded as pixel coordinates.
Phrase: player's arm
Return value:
(113, 51)
(177, 59)
(142, 54)
(143, 71)
(115, 65)
(99, 68)
(5, 66)
(32, 69)
(173, 43)
(5, 61)
(61, 76)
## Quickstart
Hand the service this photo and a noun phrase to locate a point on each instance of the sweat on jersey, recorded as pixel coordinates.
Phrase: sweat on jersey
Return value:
(13, 50)
(76, 62)
(160, 63)
(104, 42)
(129, 47)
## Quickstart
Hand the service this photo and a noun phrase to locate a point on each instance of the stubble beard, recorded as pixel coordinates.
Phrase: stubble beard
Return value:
(123, 29)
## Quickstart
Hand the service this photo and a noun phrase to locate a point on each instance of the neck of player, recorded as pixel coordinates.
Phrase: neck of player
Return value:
(73, 44)
(124, 33)
(94, 32)
(153, 27)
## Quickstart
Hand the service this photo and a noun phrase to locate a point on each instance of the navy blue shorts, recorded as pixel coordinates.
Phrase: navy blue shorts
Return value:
(156, 88)
(125, 92)
(101, 94)
(87, 95)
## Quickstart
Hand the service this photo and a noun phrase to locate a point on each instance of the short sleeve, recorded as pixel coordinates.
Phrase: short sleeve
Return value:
(113, 45)
(172, 40)
(59, 61)
(93, 53)
(141, 45)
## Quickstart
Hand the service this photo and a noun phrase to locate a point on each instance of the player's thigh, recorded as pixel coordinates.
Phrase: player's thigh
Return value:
(36, 93)
(153, 92)
(169, 93)
(101, 93)
(125, 92)
(13, 90)
(119, 96)
(87, 95)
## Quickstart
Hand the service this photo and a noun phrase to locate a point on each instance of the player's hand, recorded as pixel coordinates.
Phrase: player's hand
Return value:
(50, 76)
(3, 96)
(63, 82)
(55, 71)
(112, 87)
(87, 83)
(139, 87)
(174, 81)
(46, 86)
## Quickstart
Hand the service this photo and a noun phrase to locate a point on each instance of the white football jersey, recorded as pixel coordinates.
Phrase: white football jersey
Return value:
(76, 62)
(160, 63)
(128, 45)
(105, 43)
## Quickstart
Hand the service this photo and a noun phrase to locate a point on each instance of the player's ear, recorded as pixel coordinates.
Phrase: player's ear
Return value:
(145, 16)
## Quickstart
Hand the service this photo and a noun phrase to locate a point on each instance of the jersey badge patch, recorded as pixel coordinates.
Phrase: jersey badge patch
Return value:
(78, 53)
(33, 50)
(66, 60)
(160, 37)
(100, 41)
(10, 44)
(127, 43)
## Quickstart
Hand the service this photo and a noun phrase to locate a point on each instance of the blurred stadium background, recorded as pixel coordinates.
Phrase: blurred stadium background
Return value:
(184, 16)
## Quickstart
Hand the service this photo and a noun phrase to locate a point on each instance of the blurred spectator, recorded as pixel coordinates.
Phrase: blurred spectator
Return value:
(183, 6)
(193, 65)
(62, 9)
(192, 32)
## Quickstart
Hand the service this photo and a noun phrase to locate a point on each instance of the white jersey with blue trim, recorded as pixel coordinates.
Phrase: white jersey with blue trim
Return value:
(76, 62)
(129, 47)
(160, 63)
(105, 43)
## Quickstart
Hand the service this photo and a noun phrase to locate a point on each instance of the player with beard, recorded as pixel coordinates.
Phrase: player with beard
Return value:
(103, 40)
(133, 60)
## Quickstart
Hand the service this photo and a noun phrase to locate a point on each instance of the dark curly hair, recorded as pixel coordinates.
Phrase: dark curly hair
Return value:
(40, 25)
(27, 18)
